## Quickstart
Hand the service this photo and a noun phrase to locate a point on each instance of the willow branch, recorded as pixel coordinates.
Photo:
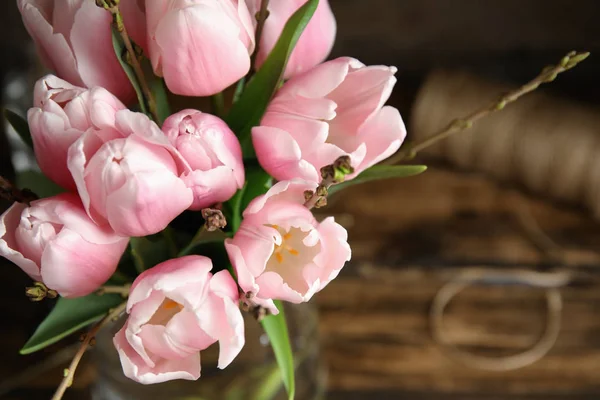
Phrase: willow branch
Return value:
(549, 74)
(112, 6)
(261, 17)
(70, 372)
(122, 290)
(10, 192)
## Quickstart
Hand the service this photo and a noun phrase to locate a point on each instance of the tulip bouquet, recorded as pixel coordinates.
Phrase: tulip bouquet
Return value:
(191, 216)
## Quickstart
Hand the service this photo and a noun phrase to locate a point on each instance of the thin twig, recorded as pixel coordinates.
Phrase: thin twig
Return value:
(70, 372)
(112, 6)
(319, 196)
(10, 192)
(122, 290)
(547, 75)
(261, 17)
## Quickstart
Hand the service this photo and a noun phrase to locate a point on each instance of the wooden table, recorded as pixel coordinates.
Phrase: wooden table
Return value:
(409, 237)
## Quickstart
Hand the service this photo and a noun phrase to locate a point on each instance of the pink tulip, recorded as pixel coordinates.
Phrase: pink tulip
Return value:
(54, 241)
(332, 110)
(74, 39)
(131, 178)
(281, 251)
(62, 113)
(199, 46)
(313, 46)
(213, 153)
(176, 310)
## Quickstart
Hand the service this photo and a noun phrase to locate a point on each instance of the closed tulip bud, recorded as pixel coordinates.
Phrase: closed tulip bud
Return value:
(200, 47)
(54, 241)
(74, 39)
(61, 114)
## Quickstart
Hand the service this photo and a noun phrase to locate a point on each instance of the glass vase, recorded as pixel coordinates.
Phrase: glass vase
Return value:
(253, 375)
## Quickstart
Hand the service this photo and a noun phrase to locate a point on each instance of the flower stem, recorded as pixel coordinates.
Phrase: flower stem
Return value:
(458, 125)
(218, 104)
(70, 372)
(261, 17)
(113, 7)
(10, 192)
(122, 290)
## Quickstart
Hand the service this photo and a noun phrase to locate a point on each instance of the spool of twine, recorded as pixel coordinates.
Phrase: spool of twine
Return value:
(549, 145)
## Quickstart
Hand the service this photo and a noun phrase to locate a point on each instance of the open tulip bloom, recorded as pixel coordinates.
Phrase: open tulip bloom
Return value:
(142, 186)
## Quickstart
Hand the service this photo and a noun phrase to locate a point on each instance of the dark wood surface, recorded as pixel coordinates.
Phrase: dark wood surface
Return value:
(409, 237)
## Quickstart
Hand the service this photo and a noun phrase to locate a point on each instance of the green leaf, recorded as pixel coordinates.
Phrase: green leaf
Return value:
(257, 182)
(38, 183)
(121, 53)
(69, 316)
(146, 253)
(251, 105)
(276, 328)
(380, 172)
(159, 91)
(20, 125)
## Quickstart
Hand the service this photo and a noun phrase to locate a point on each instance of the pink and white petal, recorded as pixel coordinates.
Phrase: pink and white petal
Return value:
(230, 345)
(103, 109)
(335, 250)
(155, 11)
(184, 332)
(78, 156)
(362, 93)
(201, 50)
(51, 141)
(74, 267)
(52, 87)
(272, 286)
(9, 221)
(279, 154)
(307, 132)
(98, 64)
(156, 342)
(140, 208)
(315, 43)
(256, 245)
(135, 21)
(321, 80)
(244, 276)
(66, 209)
(290, 191)
(135, 368)
(63, 16)
(53, 47)
(210, 187)
(383, 135)
(316, 108)
(171, 276)
(223, 285)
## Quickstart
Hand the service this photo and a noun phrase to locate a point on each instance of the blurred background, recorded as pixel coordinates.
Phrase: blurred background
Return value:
(517, 194)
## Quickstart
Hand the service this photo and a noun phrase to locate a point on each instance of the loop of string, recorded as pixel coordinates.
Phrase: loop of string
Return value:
(550, 282)
(547, 145)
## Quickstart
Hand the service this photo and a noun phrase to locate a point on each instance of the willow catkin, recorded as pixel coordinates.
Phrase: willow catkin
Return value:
(549, 145)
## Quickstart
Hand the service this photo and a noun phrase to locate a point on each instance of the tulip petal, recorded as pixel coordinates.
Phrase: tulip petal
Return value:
(9, 221)
(52, 47)
(140, 207)
(135, 368)
(74, 267)
(322, 79)
(98, 64)
(280, 155)
(201, 52)
(383, 134)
